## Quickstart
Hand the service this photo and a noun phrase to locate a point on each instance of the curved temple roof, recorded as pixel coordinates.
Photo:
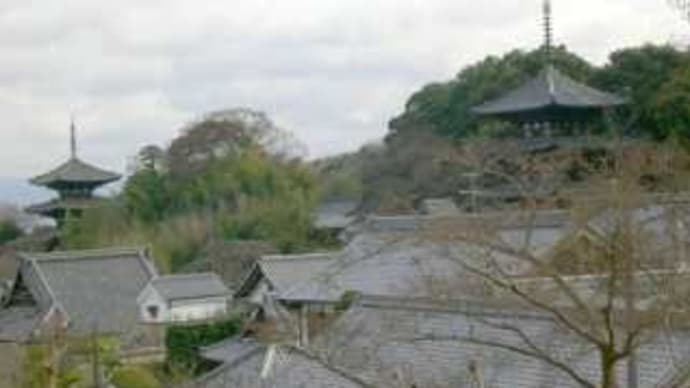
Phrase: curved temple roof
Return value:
(55, 205)
(549, 89)
(75, 171)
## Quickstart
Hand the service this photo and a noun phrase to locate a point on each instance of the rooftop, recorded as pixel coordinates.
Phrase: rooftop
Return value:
(97, 289)
(278, 366)
(398, 256)
(432, 346)
(75, 171)
(549, 89)
(285, 271)
(189, 286)
(58, 204)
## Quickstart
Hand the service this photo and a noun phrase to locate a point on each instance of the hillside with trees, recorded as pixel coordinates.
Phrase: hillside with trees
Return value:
(229, 176)
(421, 152)
(235, 176)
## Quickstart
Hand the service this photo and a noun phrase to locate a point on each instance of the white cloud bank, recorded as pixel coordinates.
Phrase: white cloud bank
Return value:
(332, 71)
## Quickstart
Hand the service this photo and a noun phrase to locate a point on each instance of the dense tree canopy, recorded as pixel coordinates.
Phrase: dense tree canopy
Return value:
(9, 230)
(646, 75)
(232, 175)
(419, 158)
(444, 108)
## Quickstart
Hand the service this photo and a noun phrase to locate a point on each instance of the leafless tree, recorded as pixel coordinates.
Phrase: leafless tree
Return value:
(613, 280)
(617, 278)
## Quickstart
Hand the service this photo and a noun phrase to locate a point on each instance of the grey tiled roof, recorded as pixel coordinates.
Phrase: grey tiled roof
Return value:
(502, 219)
(549, 88)
(335, 214)
(18, 323)
(285, 271)
(64, 203)
(409, 264)
(276, 367)
(189, 286)
(230, 350)
(97, 289)
(378, 265)
(379, 338)
(75, 170)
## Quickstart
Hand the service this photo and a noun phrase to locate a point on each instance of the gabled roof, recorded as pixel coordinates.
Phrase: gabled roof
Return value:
(427, 344)
(285, 271)
(275, 366)
(412, 264)
(189, 286)
(378, 265)
(96, 289)
(550, 88)
(75, 171)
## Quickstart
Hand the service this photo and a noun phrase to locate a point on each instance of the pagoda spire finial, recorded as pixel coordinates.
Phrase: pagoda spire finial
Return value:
(548, 30)
(73, 138)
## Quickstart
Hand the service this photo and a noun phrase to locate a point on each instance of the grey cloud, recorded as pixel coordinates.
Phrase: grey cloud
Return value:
(332, 71)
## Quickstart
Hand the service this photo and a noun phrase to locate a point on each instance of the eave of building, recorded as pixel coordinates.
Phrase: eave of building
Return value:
(549, 94)
(52, 207)
(75, 171)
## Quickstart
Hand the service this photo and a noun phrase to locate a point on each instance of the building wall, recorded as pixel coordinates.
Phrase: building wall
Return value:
(179, 311)
(198, 309)
(256, 296)
(151, 299)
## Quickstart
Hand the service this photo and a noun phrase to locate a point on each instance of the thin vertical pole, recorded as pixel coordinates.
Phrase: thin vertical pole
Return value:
(548, 29)
(73, 138)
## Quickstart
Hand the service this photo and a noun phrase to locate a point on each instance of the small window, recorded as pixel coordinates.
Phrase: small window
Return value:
(153, 311)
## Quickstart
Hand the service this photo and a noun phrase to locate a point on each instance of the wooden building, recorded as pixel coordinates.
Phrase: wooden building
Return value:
(75, 181)
(551, 103)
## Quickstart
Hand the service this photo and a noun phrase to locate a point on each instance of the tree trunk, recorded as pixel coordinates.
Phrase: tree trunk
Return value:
(608, 369)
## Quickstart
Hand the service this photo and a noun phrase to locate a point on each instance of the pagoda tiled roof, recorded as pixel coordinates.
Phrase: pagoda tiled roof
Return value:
(550, 88)
(64, 203)
(76, 171)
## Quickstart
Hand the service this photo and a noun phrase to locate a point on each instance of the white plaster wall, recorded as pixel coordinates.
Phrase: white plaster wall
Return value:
(181, 311)
(257, 295)
(149, 297)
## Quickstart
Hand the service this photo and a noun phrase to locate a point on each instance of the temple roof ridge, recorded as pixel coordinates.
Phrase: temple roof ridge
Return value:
(550, 87)
(74, 170)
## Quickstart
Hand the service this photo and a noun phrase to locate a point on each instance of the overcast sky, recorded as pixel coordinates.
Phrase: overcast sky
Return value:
(331, 71)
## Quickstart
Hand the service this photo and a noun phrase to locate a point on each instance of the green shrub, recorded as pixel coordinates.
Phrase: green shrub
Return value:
(134, 377)
(183, 342)
(9, 231)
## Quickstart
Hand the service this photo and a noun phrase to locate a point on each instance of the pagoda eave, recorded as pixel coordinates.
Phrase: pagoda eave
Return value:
(75, 172)
(56, 208)
(546, 113)
(549, 96)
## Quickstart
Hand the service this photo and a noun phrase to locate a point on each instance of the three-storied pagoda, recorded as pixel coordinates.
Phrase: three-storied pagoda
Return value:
(551, 103)
(75, 181)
